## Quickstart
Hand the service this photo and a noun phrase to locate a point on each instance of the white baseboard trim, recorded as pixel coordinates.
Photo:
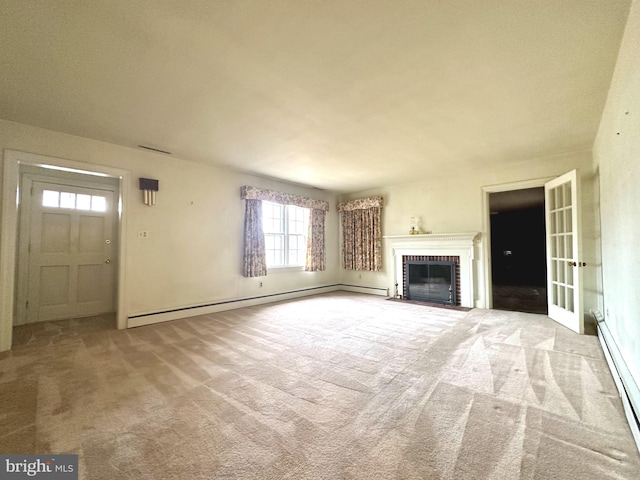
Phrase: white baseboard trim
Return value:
(627, 387)
(361, 289)
(150, 318)
(223, 305)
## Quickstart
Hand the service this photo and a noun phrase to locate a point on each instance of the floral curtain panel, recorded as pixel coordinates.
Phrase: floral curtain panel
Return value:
(316, 256)
(254, 259)
(362, 234)
(253, 256)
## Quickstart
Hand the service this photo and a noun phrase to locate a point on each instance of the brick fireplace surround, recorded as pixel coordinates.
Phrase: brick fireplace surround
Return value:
(460, 245)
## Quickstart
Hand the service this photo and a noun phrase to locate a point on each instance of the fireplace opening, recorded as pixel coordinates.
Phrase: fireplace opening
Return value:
(435, 280)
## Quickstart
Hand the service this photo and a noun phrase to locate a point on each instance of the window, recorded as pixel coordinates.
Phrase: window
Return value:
(285, 234)
(76, 201)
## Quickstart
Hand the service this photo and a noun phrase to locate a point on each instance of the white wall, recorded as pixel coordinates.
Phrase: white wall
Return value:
(193, 254)
(454, 205)
(617, 158)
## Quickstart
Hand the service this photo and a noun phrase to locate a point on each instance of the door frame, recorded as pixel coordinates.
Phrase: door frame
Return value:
(486, 227)
(13, 159)
(28, 178)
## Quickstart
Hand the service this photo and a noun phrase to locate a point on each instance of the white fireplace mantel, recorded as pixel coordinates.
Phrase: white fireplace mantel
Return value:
(447, 244)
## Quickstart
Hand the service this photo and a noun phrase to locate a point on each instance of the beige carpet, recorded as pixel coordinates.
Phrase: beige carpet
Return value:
(337, 386)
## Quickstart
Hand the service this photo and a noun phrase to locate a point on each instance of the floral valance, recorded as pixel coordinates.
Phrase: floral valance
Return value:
(360, 204)
(255, 193)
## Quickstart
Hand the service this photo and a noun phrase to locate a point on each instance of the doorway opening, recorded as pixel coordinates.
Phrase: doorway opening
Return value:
(67, 245)
(15, 164)
(518, 250)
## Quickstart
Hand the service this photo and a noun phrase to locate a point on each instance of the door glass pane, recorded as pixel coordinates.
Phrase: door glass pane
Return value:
(83, 202)
(567, 194)
(561, 269)
(98, 204)
(569, 245)
(569, 299)
(50, 198)
(67, 200)
(560, 223)
(561, 297)
(558, 194)
(560, 242)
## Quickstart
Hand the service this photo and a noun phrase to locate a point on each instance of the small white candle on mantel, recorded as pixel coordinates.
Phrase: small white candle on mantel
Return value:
(414, 230)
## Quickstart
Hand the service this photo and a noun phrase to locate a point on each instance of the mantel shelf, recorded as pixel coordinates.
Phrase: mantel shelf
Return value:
(435, 237)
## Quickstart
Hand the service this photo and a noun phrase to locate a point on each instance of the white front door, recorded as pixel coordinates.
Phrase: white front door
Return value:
(70, 268)
(562, 210)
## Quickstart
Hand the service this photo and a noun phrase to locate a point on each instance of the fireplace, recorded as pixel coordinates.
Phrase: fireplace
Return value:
(458, 248)
(431, 278)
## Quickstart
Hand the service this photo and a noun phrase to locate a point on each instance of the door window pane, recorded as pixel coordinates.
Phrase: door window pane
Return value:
(83, 202)
(50, 198)
(80, 201)
(98, 204)
(67, 200)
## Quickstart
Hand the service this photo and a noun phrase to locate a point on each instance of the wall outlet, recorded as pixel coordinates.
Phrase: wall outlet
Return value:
(260, 284)
(143, 234)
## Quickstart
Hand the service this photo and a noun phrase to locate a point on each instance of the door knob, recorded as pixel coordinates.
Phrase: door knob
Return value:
(577, 264)
(108, 260)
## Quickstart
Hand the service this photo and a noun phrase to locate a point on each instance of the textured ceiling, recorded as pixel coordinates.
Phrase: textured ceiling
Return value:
(335, 94)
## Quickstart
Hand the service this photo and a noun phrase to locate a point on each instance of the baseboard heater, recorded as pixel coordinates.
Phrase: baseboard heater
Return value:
(212, 307)
(626, 384)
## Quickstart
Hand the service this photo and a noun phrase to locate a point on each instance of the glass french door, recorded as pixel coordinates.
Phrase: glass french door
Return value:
(564, 267)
